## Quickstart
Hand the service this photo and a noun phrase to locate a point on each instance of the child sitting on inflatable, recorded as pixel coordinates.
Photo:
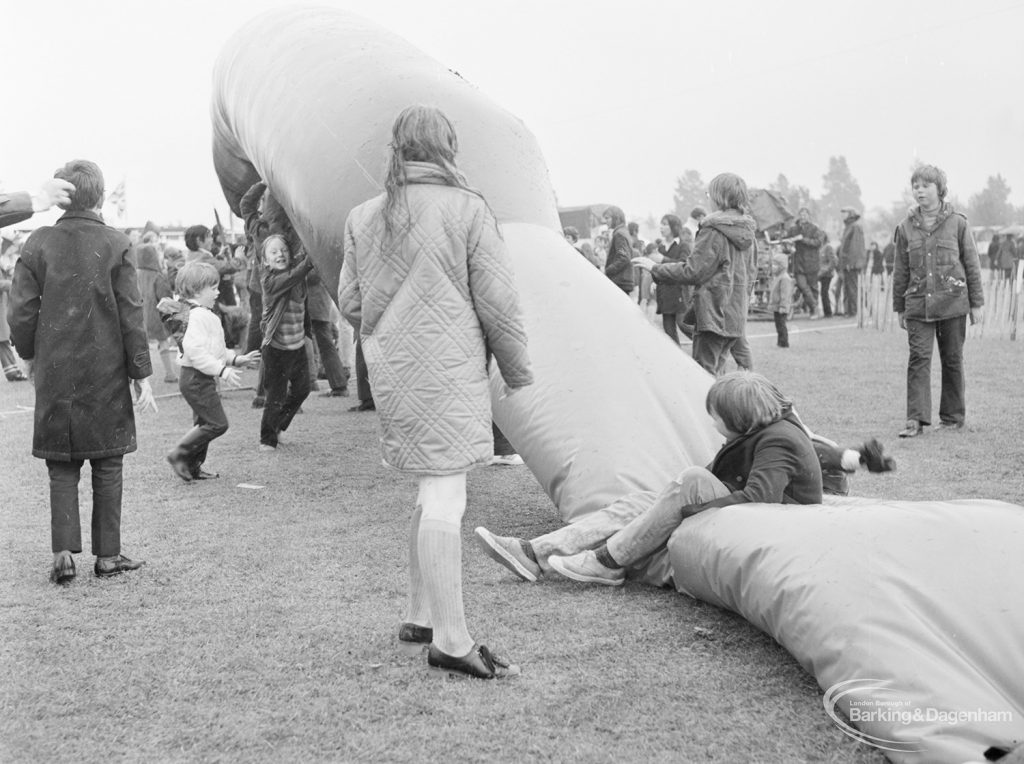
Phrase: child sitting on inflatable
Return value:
(769, 457)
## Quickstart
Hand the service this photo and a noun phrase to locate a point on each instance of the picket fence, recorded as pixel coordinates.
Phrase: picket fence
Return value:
(1002, 316)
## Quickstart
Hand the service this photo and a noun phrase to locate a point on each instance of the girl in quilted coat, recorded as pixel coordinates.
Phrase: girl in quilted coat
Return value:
(428, 284)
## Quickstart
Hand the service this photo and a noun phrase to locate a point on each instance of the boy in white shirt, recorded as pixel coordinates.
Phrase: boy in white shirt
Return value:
(204, 358)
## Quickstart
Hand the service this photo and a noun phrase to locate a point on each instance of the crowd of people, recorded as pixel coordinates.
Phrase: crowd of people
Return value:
(708, 269)
(427, 286)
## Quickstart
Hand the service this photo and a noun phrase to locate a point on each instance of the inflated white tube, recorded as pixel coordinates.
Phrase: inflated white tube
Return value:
(907, 613)
(305, 98)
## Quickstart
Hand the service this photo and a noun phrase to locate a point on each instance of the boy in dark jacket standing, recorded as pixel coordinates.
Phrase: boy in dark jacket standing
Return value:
(76, 316)
(853, 258)
(719, 269)
(936, 285)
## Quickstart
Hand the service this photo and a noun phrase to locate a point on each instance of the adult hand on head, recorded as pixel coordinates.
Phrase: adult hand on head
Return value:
(145, 400)
(53, 191)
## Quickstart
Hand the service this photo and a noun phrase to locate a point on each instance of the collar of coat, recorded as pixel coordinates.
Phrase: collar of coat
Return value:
(82, 215)
(945, 210)
(425, 172)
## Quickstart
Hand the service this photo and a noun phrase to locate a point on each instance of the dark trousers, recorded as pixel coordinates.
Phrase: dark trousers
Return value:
(287, 381)
(337, 375)
(711, 350)
(254, 334)
(850, 278)
(782, 329)
(673, 323)
(824, 282)
(107, 487)
(949, 334)
(200, 392)
(808, 288)
(10, 364)
(363, 391)
(502, 446)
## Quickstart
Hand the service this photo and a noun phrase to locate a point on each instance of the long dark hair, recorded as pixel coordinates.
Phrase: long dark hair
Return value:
(420, 134)
(675, 225)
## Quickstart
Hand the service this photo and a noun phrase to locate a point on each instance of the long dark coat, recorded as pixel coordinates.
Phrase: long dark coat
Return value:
(76, 311)
(675, 298)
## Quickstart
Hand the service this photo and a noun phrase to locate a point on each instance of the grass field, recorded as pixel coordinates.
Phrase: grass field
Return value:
(263, 626)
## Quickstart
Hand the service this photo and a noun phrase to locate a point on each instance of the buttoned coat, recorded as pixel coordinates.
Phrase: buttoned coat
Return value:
(430, 303)
(77, 312)
(937, 271)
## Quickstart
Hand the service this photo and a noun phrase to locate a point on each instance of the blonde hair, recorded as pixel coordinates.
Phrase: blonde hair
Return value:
(419, 134)
(273, 237)
(194, 277)
(746, 401)
(729, 192)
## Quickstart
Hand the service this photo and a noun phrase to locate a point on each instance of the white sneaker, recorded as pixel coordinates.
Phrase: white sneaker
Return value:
(509, 460)
(585, 568)
(508, 551)
(266, 447)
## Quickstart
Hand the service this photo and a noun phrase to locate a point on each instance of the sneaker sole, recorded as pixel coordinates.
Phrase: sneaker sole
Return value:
(556, 565)
(494, 550)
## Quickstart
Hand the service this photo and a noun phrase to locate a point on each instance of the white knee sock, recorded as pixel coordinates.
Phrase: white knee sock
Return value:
(440, 560)
(417, 608)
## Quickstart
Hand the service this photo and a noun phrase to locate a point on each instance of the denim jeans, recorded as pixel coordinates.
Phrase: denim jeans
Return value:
(650, 532)
(107, 488)
(711, 350)
(922, 336)
(808, 288)
(287, 382)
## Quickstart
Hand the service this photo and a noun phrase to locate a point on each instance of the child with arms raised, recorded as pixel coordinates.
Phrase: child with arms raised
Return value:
(285, 368)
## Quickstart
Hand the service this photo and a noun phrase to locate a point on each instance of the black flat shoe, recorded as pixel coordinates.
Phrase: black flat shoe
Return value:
(63, 571)
(201, 474)
(413, 640)
(479, 663)
(119, 564)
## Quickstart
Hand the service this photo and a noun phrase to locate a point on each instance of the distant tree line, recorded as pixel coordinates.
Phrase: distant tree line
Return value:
(989, 207)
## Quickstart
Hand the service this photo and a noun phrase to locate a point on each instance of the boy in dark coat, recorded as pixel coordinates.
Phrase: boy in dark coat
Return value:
(77, 319)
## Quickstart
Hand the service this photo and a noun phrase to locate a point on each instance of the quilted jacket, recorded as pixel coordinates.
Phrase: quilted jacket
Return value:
(429, 307)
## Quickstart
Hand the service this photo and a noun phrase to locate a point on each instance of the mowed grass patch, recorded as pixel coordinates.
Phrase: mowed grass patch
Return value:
(263, 625)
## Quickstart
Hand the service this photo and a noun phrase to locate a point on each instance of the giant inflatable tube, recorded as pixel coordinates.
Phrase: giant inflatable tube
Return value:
(907, 613)
(304, 98)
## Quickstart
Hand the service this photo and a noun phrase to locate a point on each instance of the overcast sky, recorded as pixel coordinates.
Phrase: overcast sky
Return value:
(622, 96)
